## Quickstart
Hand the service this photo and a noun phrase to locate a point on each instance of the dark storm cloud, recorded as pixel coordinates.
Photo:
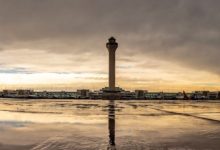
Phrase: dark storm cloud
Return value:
(186, 32)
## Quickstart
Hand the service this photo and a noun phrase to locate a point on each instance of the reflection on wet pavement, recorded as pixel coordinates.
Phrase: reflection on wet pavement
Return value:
(111, 125)
(85, 124)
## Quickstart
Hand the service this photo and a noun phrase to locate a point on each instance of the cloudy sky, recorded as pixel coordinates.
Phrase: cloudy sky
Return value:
(164, 45)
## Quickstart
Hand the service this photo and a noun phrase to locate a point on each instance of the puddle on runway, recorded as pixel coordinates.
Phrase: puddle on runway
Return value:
(85, 124)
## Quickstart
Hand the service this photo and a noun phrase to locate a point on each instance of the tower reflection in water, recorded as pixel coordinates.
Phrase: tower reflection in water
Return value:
(111, 124)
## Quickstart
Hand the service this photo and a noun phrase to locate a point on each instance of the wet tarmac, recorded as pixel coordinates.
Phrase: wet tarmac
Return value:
(96, 124)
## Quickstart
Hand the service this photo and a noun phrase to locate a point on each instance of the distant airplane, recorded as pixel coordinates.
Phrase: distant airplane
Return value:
(185, 96)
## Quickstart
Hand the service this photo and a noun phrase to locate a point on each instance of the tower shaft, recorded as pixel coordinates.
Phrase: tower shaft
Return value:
(112, 70)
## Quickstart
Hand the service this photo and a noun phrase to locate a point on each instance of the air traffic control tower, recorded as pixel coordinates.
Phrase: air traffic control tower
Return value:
(111, 92)
(112, 45)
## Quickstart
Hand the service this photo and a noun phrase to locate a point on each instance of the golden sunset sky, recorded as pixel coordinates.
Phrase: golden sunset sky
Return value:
(170, 45)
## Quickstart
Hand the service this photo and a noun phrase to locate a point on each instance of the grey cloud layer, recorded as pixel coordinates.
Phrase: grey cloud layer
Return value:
(186, 32)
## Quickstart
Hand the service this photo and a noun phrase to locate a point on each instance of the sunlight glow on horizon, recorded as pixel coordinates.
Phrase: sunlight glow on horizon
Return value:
(64, 72)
